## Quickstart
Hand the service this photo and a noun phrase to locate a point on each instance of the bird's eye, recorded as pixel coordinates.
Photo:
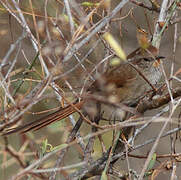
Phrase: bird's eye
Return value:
(148, 59)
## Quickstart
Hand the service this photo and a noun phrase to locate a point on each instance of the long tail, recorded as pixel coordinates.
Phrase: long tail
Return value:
(56, 116)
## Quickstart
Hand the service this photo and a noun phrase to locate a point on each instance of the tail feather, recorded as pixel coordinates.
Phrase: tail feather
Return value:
(56, 116)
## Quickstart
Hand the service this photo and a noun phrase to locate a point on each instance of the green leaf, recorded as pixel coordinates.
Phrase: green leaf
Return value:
(89, 4)
(44, 146)
(59, 147)
(104, 176)
(152, 162)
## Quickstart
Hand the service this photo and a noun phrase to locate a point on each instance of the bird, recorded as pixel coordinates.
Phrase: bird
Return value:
(124, 83)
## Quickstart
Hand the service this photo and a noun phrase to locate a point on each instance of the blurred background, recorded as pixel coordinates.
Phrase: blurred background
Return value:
(29, 146)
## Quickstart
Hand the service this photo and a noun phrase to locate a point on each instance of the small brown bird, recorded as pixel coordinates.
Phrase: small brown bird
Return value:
(125, 82)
